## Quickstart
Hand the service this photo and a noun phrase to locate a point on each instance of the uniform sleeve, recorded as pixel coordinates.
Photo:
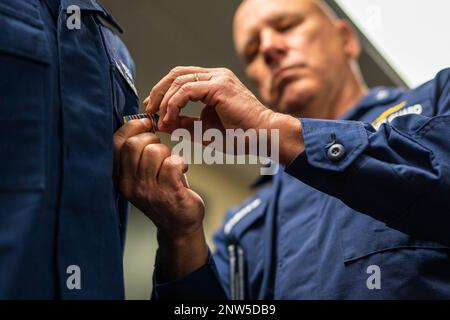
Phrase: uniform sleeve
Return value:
(210, 282)
(202, 284)
(399, 174)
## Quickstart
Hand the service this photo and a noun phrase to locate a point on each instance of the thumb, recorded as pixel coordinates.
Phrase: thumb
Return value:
(172, 173)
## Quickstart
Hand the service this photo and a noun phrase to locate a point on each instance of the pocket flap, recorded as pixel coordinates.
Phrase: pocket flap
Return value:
(23, 39)
(363, 236)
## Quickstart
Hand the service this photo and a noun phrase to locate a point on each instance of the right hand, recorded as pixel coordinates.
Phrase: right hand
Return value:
(155, 182)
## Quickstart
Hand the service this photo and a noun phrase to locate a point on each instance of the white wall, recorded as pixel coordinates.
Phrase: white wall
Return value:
(413, 35)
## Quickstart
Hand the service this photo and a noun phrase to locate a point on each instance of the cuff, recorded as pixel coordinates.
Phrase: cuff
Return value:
(202, 284)
(332, 144)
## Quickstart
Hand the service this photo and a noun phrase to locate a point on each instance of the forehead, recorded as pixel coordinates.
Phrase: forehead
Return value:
(253, 14)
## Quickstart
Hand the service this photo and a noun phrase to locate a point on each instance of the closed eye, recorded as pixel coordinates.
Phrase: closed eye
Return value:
(251, 51)
(286, 24)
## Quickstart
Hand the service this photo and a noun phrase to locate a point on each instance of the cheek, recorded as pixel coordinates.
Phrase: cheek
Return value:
(303, 38)
(314, 45)
(261, 76)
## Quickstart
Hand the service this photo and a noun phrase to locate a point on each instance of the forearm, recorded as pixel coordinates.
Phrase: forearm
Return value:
(181, 256)
(185, 269)
(400, 178)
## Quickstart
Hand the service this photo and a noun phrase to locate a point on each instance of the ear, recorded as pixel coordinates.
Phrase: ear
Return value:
(350, 40)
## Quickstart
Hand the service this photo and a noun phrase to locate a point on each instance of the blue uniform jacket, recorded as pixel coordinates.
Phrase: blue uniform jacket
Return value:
(370, 220)
(63, 92)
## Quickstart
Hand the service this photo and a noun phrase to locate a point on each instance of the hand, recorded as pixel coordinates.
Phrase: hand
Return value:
(229, 105)
(154, 181)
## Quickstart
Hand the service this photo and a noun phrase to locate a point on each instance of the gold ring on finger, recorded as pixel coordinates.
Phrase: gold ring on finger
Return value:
(196, 77)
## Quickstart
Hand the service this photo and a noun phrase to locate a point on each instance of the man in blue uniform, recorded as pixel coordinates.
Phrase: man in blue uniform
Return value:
(65, 86)
(361, 209)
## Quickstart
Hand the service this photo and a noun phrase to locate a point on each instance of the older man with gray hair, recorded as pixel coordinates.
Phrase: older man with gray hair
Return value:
(361, 209)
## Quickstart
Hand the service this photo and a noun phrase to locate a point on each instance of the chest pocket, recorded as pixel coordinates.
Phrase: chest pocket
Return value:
(24, 64)
(125, 96)
(363, 236)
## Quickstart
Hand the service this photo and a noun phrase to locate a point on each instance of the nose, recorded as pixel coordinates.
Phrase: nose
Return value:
(272, 46)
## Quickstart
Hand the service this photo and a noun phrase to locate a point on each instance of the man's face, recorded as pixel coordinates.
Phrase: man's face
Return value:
(293, 50)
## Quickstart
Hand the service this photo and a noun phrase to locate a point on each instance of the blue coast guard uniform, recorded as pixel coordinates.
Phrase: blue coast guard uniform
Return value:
(362, 213)
(63, 92)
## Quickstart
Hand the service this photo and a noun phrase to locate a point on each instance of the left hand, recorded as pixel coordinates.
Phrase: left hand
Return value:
(229, 105)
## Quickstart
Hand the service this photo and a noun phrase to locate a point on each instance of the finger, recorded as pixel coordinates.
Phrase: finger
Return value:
(188, 123)
(131, 153)
(172, 173)
(182, 122)
(192, 91)
(152, 158)
(160, 89)
(130, 129)
(177, 84)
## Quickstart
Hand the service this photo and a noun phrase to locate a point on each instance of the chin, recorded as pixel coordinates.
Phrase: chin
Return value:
(297, 99)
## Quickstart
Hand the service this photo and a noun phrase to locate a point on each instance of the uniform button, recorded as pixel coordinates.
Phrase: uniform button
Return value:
(336, 152)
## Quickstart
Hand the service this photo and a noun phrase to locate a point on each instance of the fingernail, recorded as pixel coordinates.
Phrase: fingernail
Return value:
(148, 122)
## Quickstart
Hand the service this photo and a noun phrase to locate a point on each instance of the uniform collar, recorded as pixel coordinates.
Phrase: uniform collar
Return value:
(263, 179)
(93, 5)
(376, 96)
(260, 181)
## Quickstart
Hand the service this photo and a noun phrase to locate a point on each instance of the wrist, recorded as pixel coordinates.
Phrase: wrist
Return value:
(181, 255)
(179, 240)
(291, 141)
